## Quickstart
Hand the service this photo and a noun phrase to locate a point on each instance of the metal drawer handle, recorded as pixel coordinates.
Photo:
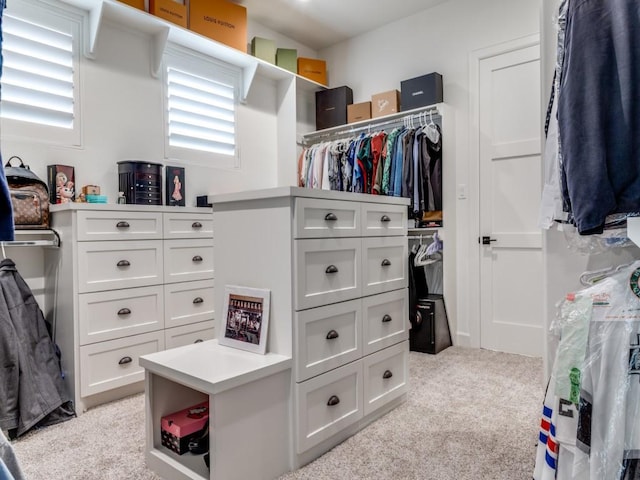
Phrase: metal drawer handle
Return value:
(386, 319)
(196, 225)
(385, 218)
(124, 311)
(198, 300)
(331, 217)
(387, 374)
(197, 258)
(122, 225)
(333, 401)
(125, 360)
(331, 269)
(124, 263)
(386, 263)
(332, 335)
(199, 341)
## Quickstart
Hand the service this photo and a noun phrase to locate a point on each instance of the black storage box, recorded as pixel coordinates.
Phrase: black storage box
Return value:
(430, 333)
(421, 91)
(331, 107)
(141, 182)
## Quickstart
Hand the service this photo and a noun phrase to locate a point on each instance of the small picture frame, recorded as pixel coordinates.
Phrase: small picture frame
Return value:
(174, 187)
(245, 318)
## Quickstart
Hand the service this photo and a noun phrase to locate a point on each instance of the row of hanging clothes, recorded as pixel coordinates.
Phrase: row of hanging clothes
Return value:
(401, 161)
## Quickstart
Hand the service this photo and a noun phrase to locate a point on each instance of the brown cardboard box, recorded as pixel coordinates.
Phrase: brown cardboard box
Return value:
(169, 10)
(313, 69)
(385, 103)
(135, 3)
(220, 20)
(358, 111)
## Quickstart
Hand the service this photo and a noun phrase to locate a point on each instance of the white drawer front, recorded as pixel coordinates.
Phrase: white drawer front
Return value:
(315, 218)
(385, 320)
(117, 265)
(187, 260)
(327, 337)
(188, 225)
(379, 219)
(384, 266)
(119, 313)
(385, 376)
(188, 334)
(327, 271)
(327, 404)
(188, 302)
(119, 225)
(113, 364)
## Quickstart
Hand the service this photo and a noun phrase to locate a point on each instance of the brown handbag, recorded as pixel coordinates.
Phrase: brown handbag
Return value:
(29, 196)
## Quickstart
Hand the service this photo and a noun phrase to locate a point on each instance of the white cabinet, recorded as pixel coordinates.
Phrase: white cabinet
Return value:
(122, 275)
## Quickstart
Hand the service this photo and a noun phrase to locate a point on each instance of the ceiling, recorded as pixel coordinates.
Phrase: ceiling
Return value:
(321, 23)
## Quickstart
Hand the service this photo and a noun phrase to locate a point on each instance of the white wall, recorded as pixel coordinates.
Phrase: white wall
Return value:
(439, 39)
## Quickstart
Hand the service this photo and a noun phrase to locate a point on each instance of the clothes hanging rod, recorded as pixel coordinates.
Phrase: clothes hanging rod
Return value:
(427, 113)
(420, 237)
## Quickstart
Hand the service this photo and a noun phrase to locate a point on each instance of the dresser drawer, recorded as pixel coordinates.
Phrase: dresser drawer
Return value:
(118, 265)
(113, 364)
(186, 260)
(119, 313)
(188, 334)
(327, 404)
(315, 218)
(385, 320)
(188, 302)
(380, 220)
(384, 265)
(327, 271)
(385, 376)
(114, 225)
(327, 337)
(188, 225)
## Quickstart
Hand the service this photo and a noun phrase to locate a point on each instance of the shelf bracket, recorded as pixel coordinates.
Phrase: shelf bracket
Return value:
(248, 75)
(93, 27)
(160, 40)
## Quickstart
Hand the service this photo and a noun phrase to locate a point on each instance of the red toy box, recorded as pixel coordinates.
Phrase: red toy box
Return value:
(180, 427)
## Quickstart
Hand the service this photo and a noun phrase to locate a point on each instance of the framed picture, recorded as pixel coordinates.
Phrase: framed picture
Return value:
(174, 187)
(246, 318)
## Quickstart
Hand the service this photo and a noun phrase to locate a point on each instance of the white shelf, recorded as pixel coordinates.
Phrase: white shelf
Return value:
(163, 32)
(633, 229)
(34, 238)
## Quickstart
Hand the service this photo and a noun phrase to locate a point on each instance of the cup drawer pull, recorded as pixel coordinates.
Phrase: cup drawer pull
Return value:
(386, 319)
(332, 335)
(124, 311)
(125, 360)
(199, 341)
(198, 300)
(122, 225)
(333, 401)
(386, 263)
(124, 263)
(331, 269)
(387, 374)
(385, 219)
(197, 258)
(331, 217)
(196, 225)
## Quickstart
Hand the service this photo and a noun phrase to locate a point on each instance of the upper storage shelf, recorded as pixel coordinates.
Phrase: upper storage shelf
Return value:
(163, 32)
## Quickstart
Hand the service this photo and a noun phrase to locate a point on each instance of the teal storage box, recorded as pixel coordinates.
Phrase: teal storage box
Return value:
(287, 58)
(264, 49)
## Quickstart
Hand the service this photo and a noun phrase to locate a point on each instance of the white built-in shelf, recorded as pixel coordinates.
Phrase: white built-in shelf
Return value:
(34, 238)
(164, 32)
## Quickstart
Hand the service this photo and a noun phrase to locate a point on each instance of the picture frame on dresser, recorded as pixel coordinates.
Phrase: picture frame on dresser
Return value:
(246, 318)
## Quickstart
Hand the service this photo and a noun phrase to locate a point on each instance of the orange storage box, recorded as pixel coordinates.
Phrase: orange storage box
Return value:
(219, 20)
(313, 69)
(169, 10)
(135, 3)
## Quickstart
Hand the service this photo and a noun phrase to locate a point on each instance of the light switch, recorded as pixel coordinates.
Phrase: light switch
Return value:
(462, 191)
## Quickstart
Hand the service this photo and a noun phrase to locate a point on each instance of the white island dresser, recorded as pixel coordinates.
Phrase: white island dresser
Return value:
(336, 266)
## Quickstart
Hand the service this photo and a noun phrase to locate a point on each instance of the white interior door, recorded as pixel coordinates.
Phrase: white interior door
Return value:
(511, 282)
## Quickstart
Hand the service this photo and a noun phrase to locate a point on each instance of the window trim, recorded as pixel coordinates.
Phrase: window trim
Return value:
(68, 21)
(192, 62)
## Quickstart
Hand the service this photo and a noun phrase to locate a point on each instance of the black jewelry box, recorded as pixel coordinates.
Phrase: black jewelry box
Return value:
(331, 107)
(141, 182)
(421, 91)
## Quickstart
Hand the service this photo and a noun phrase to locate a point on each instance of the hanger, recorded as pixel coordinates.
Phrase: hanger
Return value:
(592, 277)
(433, 134)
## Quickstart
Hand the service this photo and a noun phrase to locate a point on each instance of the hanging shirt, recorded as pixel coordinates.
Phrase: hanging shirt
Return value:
(390, 152)
(377, 143)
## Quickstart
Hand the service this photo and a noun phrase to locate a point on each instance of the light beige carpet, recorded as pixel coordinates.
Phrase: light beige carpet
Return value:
(470, 415)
